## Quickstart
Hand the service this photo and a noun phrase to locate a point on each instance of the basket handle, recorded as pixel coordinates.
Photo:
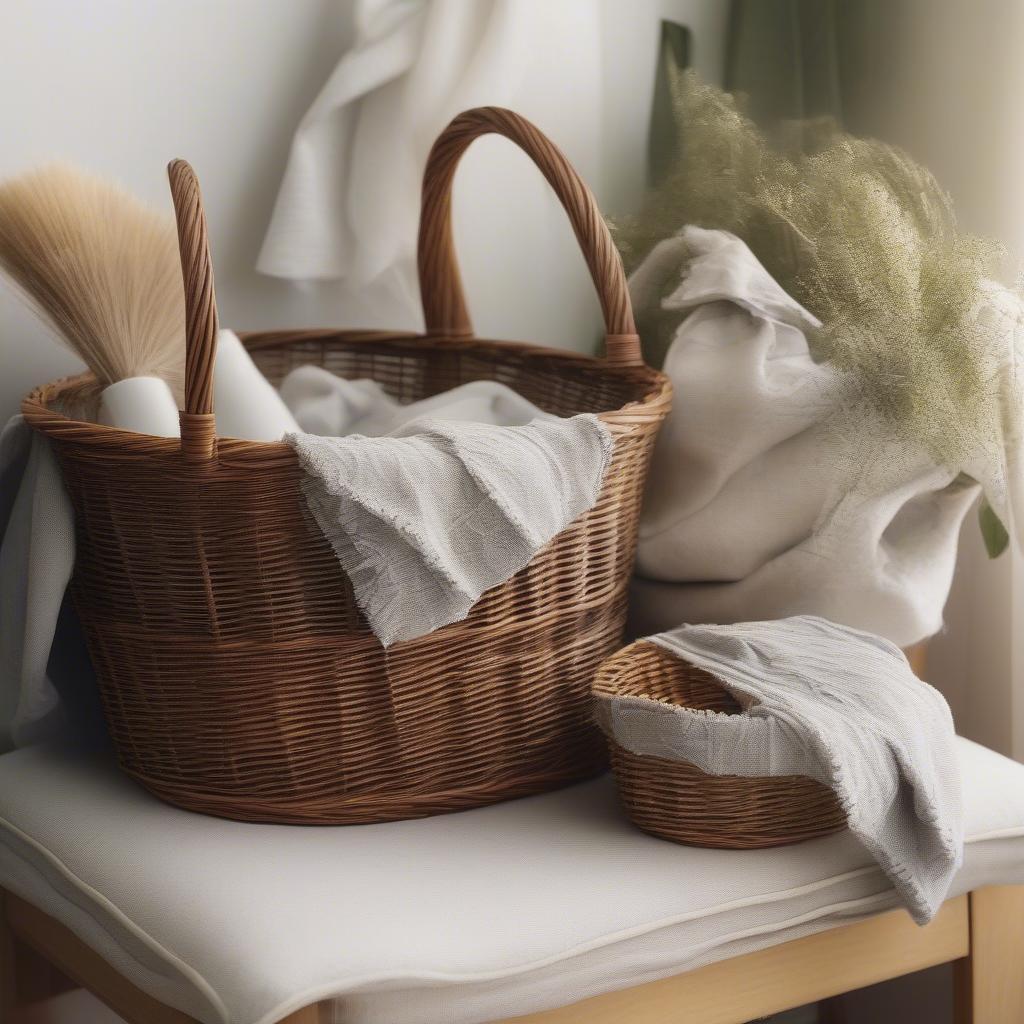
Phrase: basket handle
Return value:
(198, 425)
(444, 306)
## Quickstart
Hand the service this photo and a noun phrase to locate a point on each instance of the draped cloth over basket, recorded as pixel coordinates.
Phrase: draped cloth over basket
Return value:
(425, 521)
(821, 702)
(238, 676)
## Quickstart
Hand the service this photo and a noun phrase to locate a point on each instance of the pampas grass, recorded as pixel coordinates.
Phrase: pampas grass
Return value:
(101, 268)
(864, 238)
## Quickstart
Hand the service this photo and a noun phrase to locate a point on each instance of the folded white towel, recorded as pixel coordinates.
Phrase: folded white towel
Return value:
(323, 403)
(424, 521)
(831, 703)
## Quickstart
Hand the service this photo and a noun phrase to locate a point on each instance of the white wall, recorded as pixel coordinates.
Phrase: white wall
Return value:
(122, 86)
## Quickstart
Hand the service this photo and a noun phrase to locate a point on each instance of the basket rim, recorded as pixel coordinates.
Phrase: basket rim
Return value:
(614, 681)
(37, 411)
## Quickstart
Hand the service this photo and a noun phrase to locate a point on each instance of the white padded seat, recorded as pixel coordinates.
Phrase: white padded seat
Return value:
(451, 920)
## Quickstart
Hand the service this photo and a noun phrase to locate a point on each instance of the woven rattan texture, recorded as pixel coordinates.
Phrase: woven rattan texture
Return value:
(237, 674)
(676, 800)
(239, 677)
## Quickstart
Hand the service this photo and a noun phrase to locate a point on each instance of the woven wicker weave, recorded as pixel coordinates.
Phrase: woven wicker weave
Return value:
(237, 674)
(676, 800)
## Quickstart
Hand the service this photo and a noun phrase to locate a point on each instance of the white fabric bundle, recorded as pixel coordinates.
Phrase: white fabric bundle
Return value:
(37, 699)
(425, 520)
(323, 403)
(762, 500)
(831, 703)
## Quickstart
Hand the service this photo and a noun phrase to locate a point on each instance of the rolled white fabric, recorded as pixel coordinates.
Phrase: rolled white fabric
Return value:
(244, 401)
(144, 405)
(830, 703)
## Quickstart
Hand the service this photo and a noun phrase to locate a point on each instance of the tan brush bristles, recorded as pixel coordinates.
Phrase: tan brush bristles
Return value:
(100, 267)
(675, 799)
(238, 675)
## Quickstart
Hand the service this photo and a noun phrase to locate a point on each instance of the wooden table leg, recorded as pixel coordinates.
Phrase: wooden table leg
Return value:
(8, 972)
(25, 976)
(989, 982)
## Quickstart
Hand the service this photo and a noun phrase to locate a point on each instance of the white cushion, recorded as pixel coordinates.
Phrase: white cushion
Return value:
(463, 918)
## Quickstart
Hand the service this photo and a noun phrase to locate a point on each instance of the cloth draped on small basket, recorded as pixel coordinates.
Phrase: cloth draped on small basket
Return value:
(830, 703)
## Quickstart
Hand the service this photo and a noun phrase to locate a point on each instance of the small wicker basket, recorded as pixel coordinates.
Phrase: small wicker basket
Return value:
(676, 800)
(238, 676)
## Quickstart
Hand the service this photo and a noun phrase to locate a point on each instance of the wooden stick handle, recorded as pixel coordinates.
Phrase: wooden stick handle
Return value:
(444, 306)
(198, 426)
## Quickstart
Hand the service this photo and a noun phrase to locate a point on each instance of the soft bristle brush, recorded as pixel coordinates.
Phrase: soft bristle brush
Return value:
(102, 268)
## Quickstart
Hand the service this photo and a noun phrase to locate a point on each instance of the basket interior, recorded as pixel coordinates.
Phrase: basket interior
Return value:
(646, 670)
(410, 368)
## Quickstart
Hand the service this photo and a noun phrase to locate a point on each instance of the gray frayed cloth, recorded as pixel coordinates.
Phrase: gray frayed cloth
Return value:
(426, 519)
(835, 704)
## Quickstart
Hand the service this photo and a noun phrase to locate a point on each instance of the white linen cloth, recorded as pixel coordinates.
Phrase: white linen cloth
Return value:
(425, 520)
(37, 555)
(348, 205)
(326, 404)
(761, 500)
(832, 703)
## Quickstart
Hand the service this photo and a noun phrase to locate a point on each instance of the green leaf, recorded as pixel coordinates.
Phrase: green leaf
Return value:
(992, 530)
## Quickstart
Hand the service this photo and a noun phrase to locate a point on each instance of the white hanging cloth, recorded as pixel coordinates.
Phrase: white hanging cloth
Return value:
(348, 207)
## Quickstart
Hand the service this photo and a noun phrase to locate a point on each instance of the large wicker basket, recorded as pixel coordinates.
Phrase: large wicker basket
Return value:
(237, 674)
(676, 800)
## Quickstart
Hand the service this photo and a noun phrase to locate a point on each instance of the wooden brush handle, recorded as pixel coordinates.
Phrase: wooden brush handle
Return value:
(444, 306)
(198, 426)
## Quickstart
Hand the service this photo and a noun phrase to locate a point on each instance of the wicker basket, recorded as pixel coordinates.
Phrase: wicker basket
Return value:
(676, 800)
(237, 674)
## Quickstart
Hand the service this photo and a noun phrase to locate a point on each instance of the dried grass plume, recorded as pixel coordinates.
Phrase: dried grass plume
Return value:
(100, 267)
(864, 238)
